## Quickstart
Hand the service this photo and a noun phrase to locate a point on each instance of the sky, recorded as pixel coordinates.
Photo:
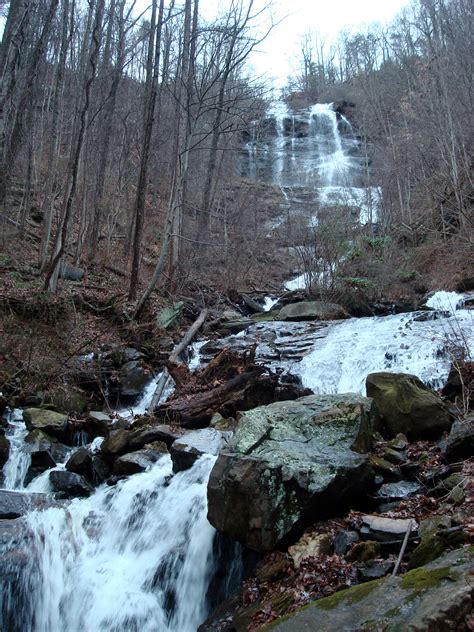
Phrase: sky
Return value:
(277, 54)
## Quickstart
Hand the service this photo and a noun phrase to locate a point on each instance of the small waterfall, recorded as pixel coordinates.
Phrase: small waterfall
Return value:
(16, 467)
(137, 557)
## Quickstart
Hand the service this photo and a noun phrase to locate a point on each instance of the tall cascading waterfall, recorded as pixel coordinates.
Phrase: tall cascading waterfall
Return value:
(316, 158)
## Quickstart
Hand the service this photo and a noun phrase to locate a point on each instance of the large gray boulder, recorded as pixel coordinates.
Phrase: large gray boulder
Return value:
(312, 310)
(289, 464)
(407, 405)
(46, 420)
(433, 598)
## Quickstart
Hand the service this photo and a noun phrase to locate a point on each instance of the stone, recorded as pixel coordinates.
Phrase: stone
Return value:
(310, 545)
(140, 437)
(15, 504)
(446, 486)
(80, 463)
(407, 405)
(375, 570)
(69, 483)
(383, 467)
(344, 540)
(4, 450)
(70, 272)
(67, 399)
(311, 310)
(135, 462)
(132, 379)
(116, 443)
(100, 470)
(187, 449)
(169, 317)
(399, 490)
(39, 441)
(157, 446)
(428, 599)
(394, 456)
(364, 551)
(400, 442)
(431, 545)
(288, 464)
(47, 420)
(460, 444)
(386, 529)
(41, 460)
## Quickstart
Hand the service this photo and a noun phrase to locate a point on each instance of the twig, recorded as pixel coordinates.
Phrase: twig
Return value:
(404, 546)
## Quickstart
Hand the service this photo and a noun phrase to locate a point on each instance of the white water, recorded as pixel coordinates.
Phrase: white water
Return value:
(135, 557)
(15, 469)
(340, 361)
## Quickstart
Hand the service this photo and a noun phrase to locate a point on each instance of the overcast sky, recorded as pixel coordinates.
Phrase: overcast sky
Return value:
(278, 53)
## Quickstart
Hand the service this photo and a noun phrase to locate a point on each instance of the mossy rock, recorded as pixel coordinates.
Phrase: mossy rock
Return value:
(435, 597)
(364, 551)
(48, 421)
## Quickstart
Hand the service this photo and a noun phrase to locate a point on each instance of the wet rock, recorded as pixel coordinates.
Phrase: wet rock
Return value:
(431, 598)
(135, 462)
(116, 443)
(386, 529)
(312, 310)
(460, 443)
(310, 545)
(148, 434)
(459, 387)
(466, 284)
(41, 460)
(410, 471)
(100, 470)
(80, 463)
(132, 379)
(344, 540)
(364, 551)
(4, 450)
(67, 399)
(69, 483)
(187, 449)
(431, 545)
(39, 441)
(288, 464)
(47, 420)
(15, 504)
(407, 405)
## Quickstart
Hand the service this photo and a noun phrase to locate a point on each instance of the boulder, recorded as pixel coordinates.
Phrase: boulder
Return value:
(46, 420)
(407, 405)
(70, 272)
(132, 379)
(38, 441)
(135, 462)
(80, 463)
(116, 443)
(386, 529)
(344, 540)
(148, 434)
(289, 464)
(460, 443)
(187, 449)
(312, 310)
(169, 317)
(69, 483)
(4, 450)
(427, 599)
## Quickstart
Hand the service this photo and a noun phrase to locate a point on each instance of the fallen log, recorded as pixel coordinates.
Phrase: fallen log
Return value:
(230, 383)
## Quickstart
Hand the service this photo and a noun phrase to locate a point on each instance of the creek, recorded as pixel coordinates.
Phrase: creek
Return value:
(141, 555)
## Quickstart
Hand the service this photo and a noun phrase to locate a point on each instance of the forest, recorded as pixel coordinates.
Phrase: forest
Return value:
(236, 320)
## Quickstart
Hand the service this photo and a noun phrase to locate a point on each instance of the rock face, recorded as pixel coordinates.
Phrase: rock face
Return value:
(407, 405)
(312, 310)
(428, 599)
(4, 450)
(46, 420)
(70, 484)
(289, 463)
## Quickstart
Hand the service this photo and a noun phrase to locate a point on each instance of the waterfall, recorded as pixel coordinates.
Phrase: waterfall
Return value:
(136, 557)
(16, 467)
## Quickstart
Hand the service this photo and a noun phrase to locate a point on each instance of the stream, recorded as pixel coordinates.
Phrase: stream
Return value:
(141, 556)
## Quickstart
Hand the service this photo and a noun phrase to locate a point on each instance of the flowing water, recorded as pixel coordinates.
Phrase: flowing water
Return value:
(141, 556)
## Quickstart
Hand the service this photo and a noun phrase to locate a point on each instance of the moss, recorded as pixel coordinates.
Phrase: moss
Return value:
(351, 595)
(428, 550)
(420, 578)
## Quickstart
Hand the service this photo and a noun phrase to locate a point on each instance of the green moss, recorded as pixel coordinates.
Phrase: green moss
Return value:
(420, 578)
(351, 595)
(428, 550)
